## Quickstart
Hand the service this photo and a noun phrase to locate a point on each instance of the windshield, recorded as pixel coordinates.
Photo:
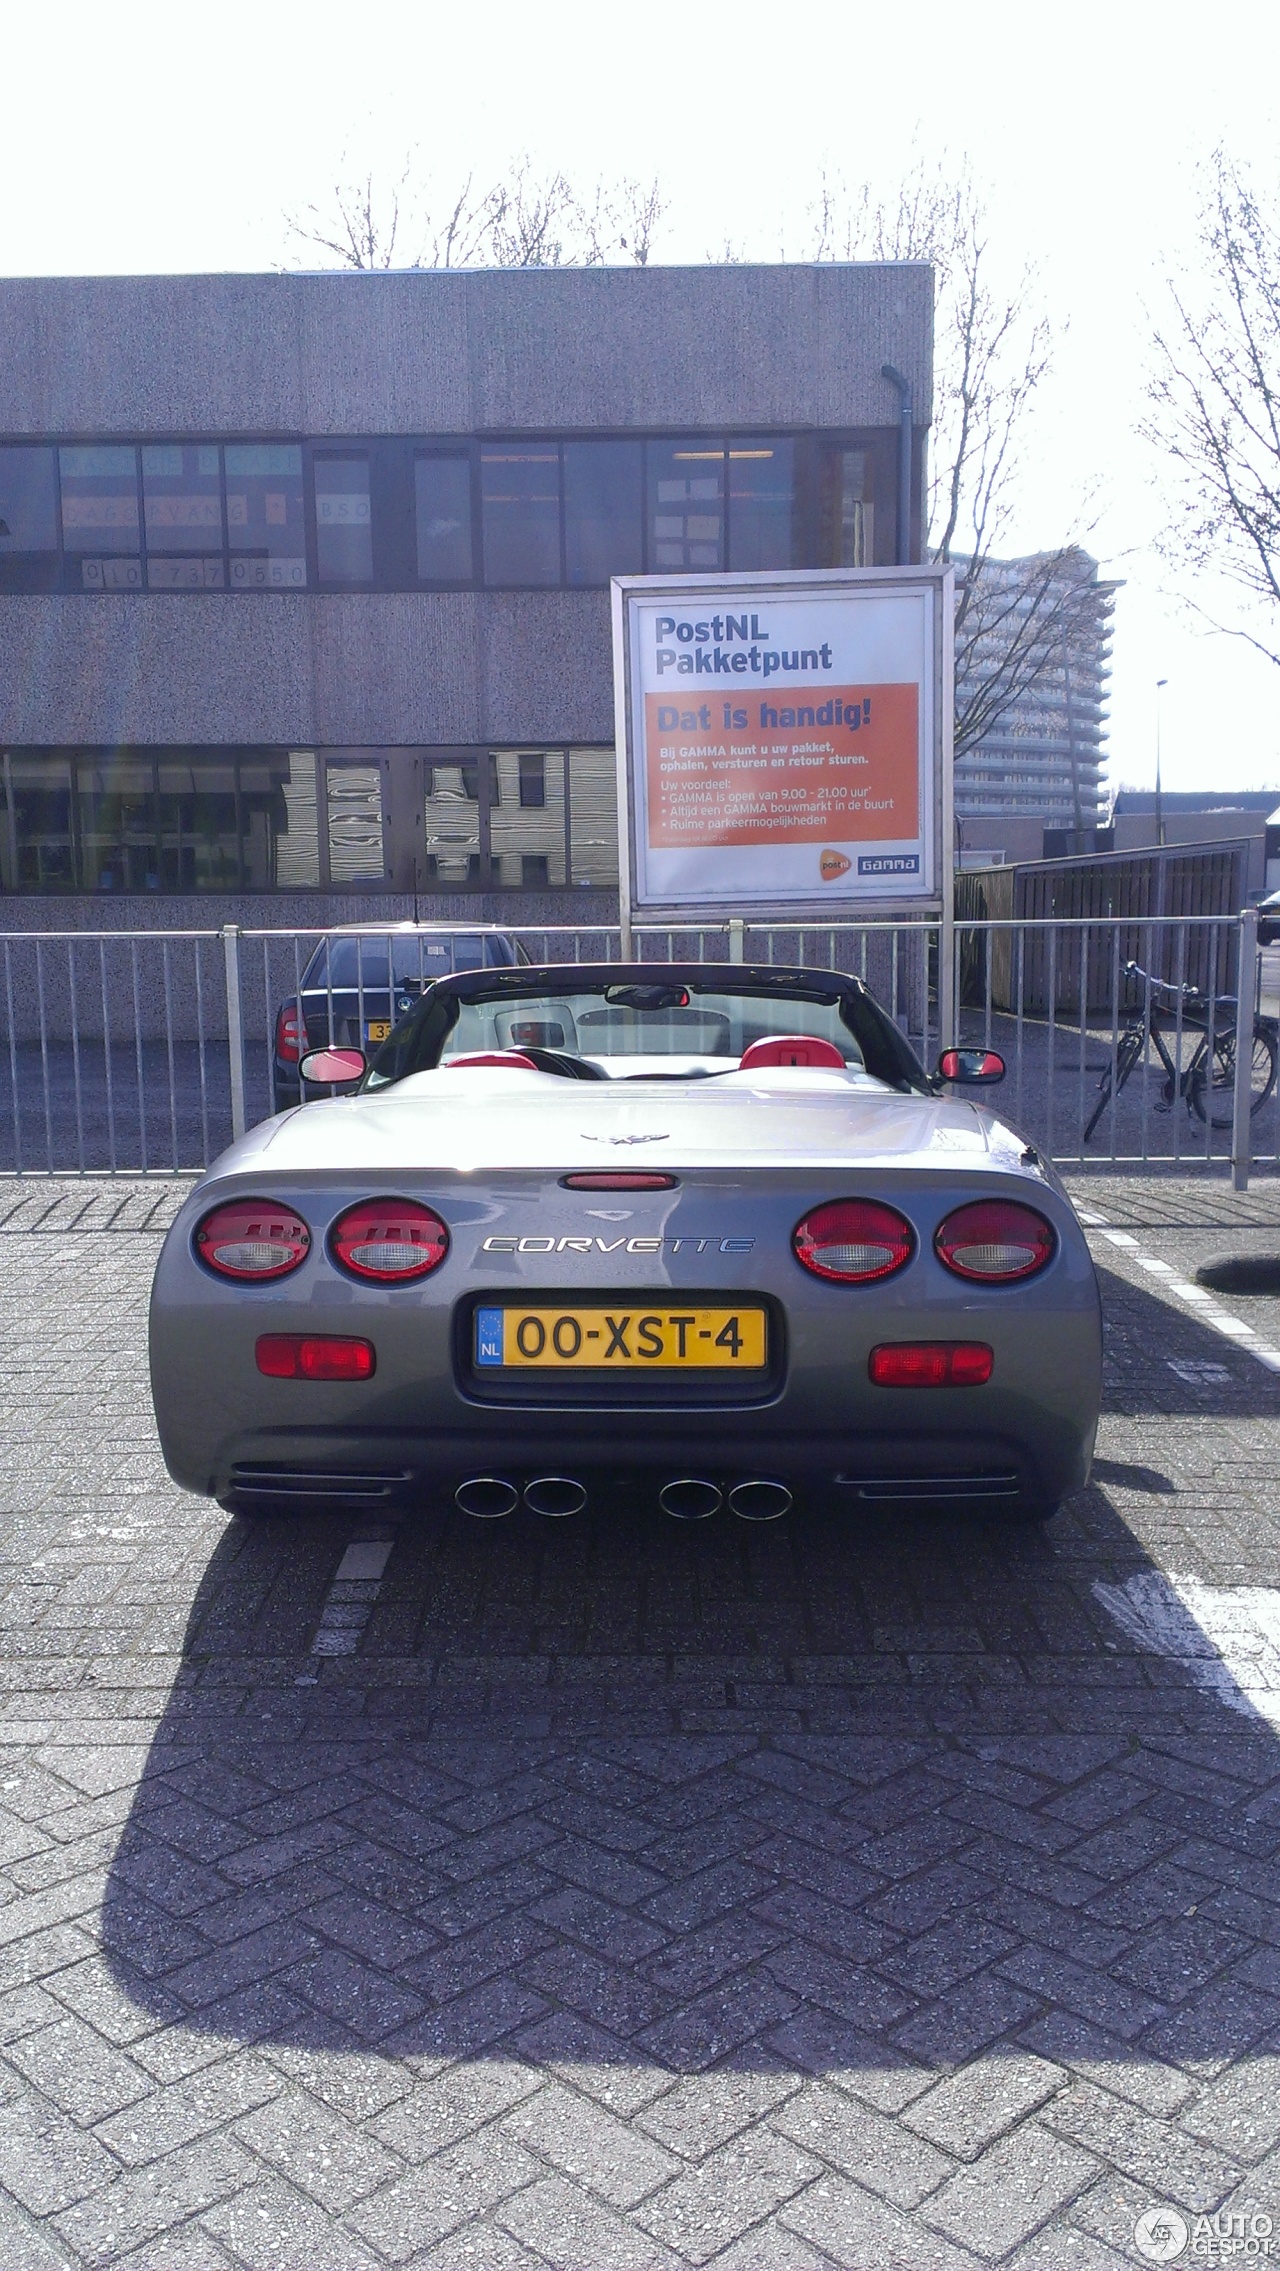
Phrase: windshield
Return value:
(347, 964)
(661, 1022)
(704, 1023)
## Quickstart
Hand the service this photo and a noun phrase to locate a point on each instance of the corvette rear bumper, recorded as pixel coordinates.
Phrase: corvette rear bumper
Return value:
(872, 1468)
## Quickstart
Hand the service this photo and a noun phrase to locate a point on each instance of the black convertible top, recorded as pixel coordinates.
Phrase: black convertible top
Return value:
(419, 1040)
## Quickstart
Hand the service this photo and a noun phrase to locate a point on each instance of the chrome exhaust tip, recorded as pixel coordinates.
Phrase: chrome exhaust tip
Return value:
(690, 1499)
(760, 1501)
(487, 1497)
(555, 1495)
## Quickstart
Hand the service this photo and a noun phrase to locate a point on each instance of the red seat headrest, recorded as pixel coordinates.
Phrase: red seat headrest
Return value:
(792, 1049)
(511, 1059)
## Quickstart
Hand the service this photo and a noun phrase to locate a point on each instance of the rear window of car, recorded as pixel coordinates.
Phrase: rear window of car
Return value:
(348, 964)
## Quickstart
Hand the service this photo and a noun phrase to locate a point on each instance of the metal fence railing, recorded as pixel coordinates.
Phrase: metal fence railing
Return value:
(144, 1052)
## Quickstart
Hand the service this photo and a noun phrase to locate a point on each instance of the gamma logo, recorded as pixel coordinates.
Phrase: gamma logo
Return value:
(832, 864)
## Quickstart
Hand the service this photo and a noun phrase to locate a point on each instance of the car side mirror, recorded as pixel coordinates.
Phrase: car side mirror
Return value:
(971, 1068)
(333, 1068)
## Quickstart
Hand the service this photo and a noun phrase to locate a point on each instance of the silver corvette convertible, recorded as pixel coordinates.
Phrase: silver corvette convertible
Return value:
(715, 1226)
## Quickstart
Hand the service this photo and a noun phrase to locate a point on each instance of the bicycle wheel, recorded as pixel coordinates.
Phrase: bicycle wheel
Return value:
(1128, 1051)
(1211, 1094)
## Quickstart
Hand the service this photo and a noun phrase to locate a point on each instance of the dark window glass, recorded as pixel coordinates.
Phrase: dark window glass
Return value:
(686, 506)
(100, 516)
(37, 844)
(264, 516)
(848, 527)
(520, 507)
(761, 504)
(603, 511)
(117, 811)
(28, 501)
(199, 833)
(182, 507)
(344, 531)
(533, 780)
(443, 499)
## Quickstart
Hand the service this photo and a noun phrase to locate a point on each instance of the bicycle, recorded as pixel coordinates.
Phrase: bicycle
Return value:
(1208, 1080)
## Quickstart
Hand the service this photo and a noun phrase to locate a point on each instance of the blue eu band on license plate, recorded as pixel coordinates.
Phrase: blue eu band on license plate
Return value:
(489, 1336)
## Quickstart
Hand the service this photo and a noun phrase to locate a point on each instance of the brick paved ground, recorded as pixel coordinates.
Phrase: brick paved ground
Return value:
(852, 1892)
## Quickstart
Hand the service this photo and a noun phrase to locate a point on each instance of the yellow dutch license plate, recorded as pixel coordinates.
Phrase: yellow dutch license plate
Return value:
(628, 1338)
(377, 1029)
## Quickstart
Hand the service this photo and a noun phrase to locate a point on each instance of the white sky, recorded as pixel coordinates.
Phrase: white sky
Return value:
(148, 137)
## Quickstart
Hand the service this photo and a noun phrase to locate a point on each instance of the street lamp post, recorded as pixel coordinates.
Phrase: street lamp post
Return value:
(1161, 683)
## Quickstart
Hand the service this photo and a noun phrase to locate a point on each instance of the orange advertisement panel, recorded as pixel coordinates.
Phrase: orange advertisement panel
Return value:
(803, 765)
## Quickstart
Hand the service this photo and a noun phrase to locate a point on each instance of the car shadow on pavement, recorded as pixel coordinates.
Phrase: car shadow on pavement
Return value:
(865, 1795)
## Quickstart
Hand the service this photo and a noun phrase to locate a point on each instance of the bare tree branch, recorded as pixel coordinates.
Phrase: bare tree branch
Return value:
(1214, 399)
(523, 220)
(991, 355)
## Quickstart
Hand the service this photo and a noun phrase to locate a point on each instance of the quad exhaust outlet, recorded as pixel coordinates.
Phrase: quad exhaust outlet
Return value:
(759, 1500)
(555, 1495)
(486, 1497)
(689, 1499)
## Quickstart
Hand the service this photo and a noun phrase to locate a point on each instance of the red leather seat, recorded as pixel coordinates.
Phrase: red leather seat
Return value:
(792, 1049)
(510, 1058)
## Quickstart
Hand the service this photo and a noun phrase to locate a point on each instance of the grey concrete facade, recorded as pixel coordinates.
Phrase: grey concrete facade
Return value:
(432, 352)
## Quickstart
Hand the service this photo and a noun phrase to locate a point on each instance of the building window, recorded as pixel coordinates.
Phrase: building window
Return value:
(603, 511)
(398, 514)
(527, 822)
(686, 506)
(762, 497)
(442, 495)
(355, 822)
(344, 522)
(265, 524)
(847, 510)
(28, 506)
(182, 509)
(520, 514)
(452, 819)
(100, 516)
(593, 818)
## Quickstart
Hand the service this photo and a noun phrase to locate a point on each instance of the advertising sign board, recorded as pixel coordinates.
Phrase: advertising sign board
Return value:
(784, 743)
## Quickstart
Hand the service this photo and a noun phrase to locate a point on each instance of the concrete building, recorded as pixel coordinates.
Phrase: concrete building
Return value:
(303, 579)
(1041, 763)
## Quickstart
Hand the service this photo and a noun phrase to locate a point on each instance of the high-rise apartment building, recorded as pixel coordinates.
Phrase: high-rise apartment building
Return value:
(1043, 624)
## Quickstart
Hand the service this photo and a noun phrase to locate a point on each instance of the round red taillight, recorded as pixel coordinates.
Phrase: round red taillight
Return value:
(253, 1238)
(854, 1240)
(389, 1240)
(994, 1241)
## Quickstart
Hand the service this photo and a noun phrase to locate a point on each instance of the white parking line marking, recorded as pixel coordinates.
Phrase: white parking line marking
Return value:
(356, 1584)
(1219, 1320)
(368, 1558)
(1229, 1640)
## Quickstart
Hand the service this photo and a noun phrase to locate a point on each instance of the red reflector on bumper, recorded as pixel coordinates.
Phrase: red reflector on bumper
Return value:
(930, 1364)
(314, 1356)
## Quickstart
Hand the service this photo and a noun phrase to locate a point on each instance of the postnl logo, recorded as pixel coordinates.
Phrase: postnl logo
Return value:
(832, 864)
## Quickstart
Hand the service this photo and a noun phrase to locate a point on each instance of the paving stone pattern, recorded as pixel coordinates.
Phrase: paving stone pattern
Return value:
(851, 1892)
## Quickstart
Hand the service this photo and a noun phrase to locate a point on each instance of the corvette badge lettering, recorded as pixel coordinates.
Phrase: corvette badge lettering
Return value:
(580, 1245)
